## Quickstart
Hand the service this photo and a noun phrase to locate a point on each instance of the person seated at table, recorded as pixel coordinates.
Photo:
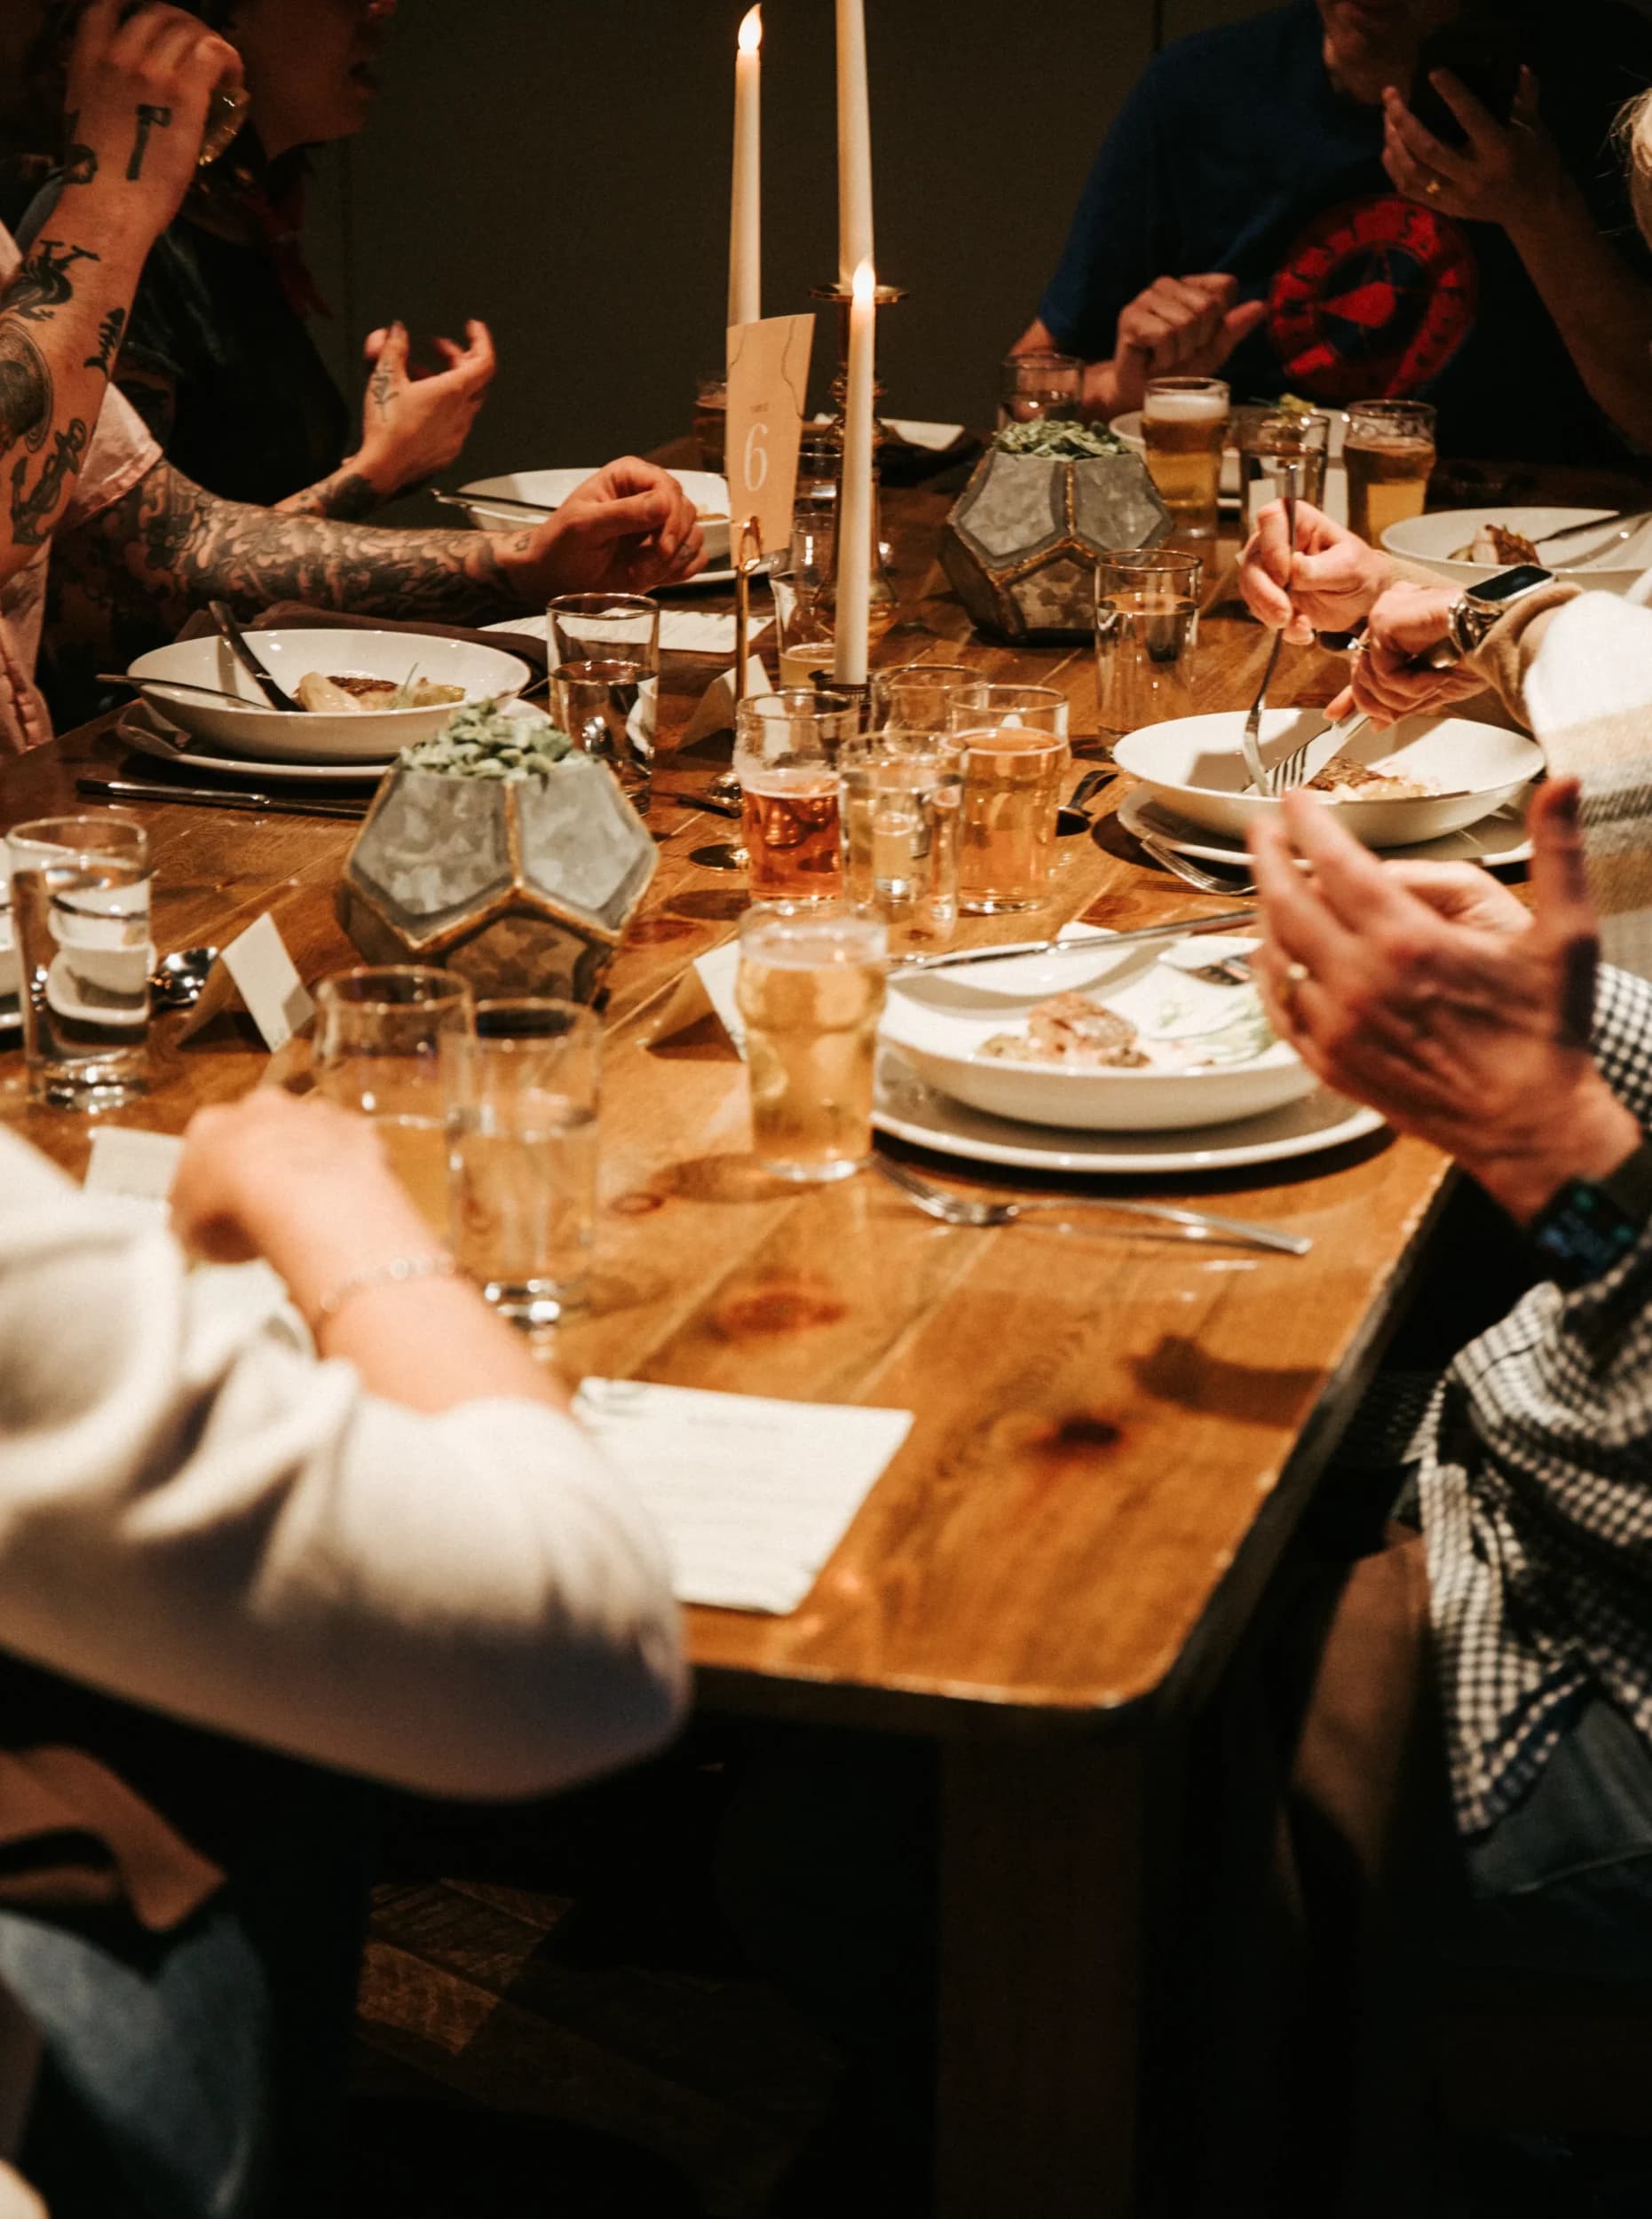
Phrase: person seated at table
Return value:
(1268, 206)
(217, 356)
(392, 1554)
(136, 543)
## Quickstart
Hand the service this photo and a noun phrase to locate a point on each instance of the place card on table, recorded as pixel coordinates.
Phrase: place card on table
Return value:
(935, 438)
(751, 1495)
(682, 631)
(768, 380)
(716, 712)
(136, 1165)
(255, 973)
(705, 989)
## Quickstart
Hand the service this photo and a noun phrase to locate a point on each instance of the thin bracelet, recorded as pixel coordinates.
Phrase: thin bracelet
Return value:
(396, 1273)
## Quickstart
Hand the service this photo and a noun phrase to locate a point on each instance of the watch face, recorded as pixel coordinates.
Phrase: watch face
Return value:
(1509, 585)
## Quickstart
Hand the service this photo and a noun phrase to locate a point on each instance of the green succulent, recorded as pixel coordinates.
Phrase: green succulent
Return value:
(482, 740)
(1057, 442)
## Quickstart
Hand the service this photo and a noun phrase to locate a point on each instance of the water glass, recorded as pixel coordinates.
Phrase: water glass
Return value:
(785, 756)
(80, 915)
(1145, 639)
(1184, 425)
(1012, 743)
(920, 698)
(811, 994)
(900, 801)
(1042, 384)
(711, 419)
(1281, 450)
(1389, 456)
(802, 596)
(377, 1050)
(605, 660)
(521, 1095)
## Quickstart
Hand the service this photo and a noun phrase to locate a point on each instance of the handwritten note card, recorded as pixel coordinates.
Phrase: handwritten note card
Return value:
(751, 1495)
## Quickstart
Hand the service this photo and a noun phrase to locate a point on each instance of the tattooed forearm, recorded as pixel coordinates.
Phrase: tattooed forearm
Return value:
(80, 163)
(25, 391)
(33, 514)
(43, 285)
(346, 496)
(149, 118)
(108, 343)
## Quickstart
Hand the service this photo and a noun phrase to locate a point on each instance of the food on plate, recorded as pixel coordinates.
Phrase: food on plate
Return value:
(1344, 780)
(1075, 1029)
(348, 694)
(1499, 543)
(483, 740)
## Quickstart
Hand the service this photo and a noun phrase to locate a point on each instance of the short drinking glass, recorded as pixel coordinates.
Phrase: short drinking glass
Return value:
(900, 799)
(521, 1095)
(920, 698)
(1146, 634)
(1012, 743)
(1184, 423)
(605, 660)
(1281, 450)
(786, 752)
(377, 1044)
(1389, 457)
(810, 993)
(711, 419)
(1031, 386)
(80, 916)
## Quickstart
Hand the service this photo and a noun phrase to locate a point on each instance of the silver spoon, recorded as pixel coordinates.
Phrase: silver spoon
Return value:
(1200, 1225)
(177, 980)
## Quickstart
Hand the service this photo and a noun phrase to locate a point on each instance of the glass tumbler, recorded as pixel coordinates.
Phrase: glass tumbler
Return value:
(605, 661)
(1280, 451)
(377, 1050)
(80, 918)
(920, 698)
(1012, 747)
(786, 758)
(802, 610)
(521, 1095)
(1389, 457)
(711, 420)
(810, 993)
(1031, 386)
(1184, 425)
(1146, 640)
(900, 800)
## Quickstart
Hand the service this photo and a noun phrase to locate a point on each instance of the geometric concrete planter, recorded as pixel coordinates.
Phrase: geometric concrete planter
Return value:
(1021, 543)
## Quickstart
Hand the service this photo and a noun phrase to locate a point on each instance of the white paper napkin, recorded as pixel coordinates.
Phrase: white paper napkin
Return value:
(751, 1495)
(682, 631)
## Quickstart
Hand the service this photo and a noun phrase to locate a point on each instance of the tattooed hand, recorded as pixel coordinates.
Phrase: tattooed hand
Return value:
(630, 528)
(415, 425)
(137, 100)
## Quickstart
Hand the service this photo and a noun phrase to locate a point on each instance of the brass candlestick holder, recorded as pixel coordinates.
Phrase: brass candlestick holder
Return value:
(883, 608)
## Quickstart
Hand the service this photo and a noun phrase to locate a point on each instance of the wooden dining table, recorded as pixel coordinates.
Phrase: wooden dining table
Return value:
(1115, 1433)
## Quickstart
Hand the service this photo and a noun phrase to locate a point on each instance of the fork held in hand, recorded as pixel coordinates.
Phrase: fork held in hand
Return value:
(1263, 780)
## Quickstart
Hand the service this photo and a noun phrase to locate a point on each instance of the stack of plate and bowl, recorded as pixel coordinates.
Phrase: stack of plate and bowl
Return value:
(1602, 563)
(488, 500)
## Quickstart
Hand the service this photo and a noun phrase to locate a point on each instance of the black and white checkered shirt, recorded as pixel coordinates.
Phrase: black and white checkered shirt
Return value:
(1536, 1488)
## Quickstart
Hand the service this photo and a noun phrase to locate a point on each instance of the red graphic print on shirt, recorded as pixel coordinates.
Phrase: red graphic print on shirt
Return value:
(1373, 300)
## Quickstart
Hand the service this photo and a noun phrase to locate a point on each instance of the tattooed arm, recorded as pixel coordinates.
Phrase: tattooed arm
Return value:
(138, 95)
(412, 426)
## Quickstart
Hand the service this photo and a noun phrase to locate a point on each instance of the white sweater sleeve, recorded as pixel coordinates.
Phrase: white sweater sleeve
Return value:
(198, 1517)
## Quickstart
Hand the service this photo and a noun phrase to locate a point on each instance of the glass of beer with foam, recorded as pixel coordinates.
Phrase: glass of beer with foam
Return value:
(1389, 458)
(1184, 423)
(786, 752)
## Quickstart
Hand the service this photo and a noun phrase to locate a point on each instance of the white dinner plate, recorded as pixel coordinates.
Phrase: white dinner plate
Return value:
(1435, 539)
(1497, 843)
(907, 1110)
(135, 729)
(549, 489)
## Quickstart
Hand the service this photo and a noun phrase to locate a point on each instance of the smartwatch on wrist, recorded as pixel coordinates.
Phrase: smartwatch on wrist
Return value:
(1474, 613)
(1592, 1224)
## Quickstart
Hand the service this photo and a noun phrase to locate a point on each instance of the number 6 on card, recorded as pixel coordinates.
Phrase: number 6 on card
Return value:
(768, 380)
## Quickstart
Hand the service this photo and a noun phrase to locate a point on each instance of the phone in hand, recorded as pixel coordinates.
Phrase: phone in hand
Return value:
(1485, 52)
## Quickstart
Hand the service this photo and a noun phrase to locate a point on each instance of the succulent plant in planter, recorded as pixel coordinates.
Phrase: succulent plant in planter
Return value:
(1045, 500)
(498, 850)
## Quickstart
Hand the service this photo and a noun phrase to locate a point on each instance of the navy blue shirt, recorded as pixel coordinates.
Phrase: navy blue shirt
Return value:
(1236, 153)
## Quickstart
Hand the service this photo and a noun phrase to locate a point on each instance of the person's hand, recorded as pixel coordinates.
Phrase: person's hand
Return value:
(1463, 894)
(273, 1156)
(413, 425)
(1188, 326)
(136, 111)
(1507, 174)
(630, 528)
(1473, 1034)
(1389, 678)
(1333, 579)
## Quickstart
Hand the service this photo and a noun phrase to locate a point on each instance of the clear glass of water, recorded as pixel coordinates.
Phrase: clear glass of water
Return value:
(1031, 386)
(899, 804)
(1281, 450)
(811, 994)
(802, 610)
(522, 1094)
(605, 661)
(377, 1048)
(1146, 635)
(920, 698)
(80, 916)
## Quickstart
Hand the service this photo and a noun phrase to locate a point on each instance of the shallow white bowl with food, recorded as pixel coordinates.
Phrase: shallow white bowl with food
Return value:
(264, 734)
(1437, 540)
(1210, 1057)
(549, 489)
(1193, 766)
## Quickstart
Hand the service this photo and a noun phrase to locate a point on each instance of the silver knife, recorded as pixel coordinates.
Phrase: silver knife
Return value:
(271, 687)
(1179, 928)
(213, 797)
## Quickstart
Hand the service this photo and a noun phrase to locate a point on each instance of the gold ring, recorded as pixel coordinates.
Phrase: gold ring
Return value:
(1434, 187)
(1295, 974)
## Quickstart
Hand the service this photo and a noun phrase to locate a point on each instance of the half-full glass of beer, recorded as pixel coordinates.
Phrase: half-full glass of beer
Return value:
(1184, 423)
(1389, 458)
(786, 752)
(1012, 745)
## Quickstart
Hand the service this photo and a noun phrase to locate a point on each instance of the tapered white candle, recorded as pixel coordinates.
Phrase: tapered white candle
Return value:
(854, 142)
(854, 521)
(745, 202)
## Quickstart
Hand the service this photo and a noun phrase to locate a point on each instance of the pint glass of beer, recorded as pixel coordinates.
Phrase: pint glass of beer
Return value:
(1184, 423)
(1389, 456)
(1012, 743)
(785, 751)
(810, 992)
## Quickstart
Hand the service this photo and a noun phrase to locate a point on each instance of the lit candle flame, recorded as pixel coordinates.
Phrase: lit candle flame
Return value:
(865, 282)
(751, 31)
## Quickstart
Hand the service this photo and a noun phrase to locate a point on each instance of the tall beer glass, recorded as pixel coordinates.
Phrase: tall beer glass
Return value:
(1012, 743)
(1389, 457)
(785, 751)
(1184, 423)
(810, 993)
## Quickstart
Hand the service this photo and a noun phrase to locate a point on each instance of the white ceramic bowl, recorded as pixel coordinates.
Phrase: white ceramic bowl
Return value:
(270, 735)
(550, 488)
(939, 1022)
(1431, 539)
(1193, 765)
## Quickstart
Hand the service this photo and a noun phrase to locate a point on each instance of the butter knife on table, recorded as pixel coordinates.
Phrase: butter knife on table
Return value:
(210, 797)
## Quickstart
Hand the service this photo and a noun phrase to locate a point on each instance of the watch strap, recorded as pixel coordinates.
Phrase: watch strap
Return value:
(1592, 1224)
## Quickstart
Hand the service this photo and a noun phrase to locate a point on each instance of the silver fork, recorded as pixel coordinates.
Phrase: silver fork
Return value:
(1262, 779)
(1235, 881)
(1200, 1225)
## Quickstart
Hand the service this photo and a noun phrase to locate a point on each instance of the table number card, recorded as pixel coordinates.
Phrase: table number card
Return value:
(255, 973)
(768, 381)
(138, 1165)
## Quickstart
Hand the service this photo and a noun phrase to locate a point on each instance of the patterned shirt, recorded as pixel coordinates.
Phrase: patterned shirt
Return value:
(1536, 1491)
